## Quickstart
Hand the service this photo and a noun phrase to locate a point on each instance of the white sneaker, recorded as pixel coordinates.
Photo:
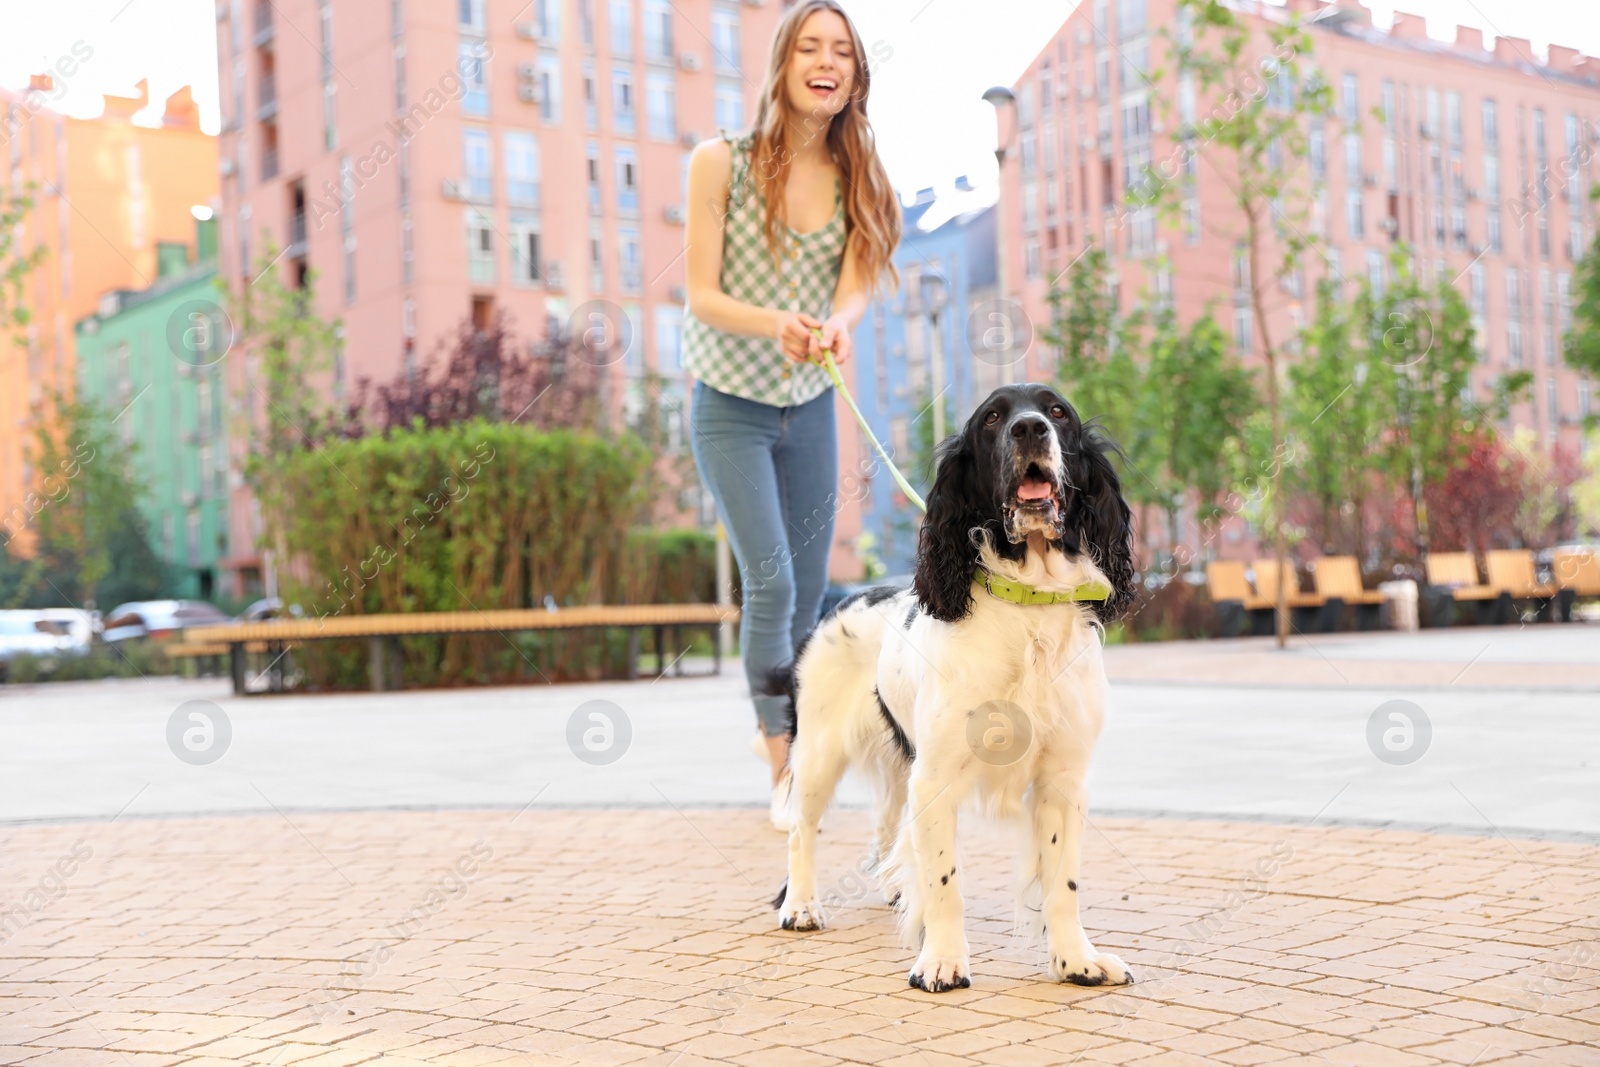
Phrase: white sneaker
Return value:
(781, 811)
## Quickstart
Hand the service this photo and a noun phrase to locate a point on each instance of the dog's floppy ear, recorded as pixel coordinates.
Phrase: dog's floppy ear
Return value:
(1104, 522)
(946, 556)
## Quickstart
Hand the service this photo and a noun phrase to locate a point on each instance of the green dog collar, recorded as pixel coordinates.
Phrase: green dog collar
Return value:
(1018, 593)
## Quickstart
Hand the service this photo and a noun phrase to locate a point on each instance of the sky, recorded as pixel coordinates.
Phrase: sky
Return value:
(937, 58)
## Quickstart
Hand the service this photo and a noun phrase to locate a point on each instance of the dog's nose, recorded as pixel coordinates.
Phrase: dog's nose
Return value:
(1028, 426)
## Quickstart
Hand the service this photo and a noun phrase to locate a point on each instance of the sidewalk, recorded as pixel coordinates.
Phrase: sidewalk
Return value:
(619, 936)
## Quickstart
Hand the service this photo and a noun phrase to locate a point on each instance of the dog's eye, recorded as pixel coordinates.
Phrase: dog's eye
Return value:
(991, 418)
(1057, 411)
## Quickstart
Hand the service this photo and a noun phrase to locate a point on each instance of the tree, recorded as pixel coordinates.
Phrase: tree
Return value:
(1582, 342)
(292, 348)
(1256, 126)
(1337, 408)
(92, 545)
(481, 373)
(1175, 400)
(15, 264)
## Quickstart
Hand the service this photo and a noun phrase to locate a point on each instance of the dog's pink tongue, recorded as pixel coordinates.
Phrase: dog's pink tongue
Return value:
(1033, 489)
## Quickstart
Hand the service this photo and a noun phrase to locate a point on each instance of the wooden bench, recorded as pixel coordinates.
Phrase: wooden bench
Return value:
(1577, 575)
(1308, 611)
(1339, 579)
(1237, 602)
(1452, 581)
(274, 637)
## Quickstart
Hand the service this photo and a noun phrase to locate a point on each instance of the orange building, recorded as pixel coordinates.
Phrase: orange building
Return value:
(110, 197)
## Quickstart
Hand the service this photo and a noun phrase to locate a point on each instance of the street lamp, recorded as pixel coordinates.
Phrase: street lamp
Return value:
(1003, 100)
(935, 291)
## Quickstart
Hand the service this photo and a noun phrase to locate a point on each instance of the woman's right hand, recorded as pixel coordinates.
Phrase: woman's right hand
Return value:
(793, 331)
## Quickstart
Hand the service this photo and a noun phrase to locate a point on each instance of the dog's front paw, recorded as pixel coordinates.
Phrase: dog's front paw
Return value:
(794, 914)
(935, 974)
(1086, 966)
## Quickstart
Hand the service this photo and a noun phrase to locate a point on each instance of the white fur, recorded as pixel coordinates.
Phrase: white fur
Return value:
(1046, 660)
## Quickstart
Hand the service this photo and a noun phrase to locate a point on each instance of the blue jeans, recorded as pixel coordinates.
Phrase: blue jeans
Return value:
(773, 472)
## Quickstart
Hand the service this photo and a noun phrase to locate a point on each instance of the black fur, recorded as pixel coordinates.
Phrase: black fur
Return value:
(969, 494)
(908, 752)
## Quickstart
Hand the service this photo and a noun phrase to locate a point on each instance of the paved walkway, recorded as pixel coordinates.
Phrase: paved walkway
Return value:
(1284, 738)
(642, 936)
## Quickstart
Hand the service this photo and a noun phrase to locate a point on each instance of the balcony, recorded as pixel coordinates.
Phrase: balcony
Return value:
(267, 97)
(264, 28)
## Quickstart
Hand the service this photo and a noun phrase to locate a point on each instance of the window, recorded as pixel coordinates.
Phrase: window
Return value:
(399, 78)
(330, 131)
(347, 226)
(1491, 126)
(1316, 148)
(725, 39)
(550, 88)
(408, 253)
(480, 248)
(729, 106)
(627, 181)
(1375, 272)
(597, 257)
(1352, 212)
(526, 262)
(479, 165)
(621, 15)
(591, 101)
(661, 107)
(1389, 120)
(1027, 153)
(1352, 158)
(658, 31)
(1241, 327)
(622, 100)
(522, 169)
(547, 20)
(473, 67)
(470, 14)
(1349, 104)
(669, 339)
(629, 259)
(1491, 179)
(1130, 18)
(594, 179)
(1452, 118)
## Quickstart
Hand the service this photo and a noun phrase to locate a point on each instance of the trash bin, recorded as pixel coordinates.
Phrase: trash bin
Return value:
(1399, 604)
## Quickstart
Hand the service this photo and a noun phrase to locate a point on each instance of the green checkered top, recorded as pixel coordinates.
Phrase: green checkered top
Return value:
(755, 367)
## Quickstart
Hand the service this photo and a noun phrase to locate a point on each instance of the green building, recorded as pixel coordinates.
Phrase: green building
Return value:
(152, 359)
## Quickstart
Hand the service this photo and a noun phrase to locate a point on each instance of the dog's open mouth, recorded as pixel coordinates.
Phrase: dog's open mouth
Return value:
(1036, 490)
(1034, 506)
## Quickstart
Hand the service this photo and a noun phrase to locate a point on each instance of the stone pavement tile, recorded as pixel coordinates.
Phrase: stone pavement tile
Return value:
(1365, 949)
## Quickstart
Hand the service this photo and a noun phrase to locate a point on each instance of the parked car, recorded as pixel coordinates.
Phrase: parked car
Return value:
(159, 618)
(74, 629)
(26, 633)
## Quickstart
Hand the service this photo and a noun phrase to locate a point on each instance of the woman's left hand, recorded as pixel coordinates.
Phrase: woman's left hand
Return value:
(835, 335)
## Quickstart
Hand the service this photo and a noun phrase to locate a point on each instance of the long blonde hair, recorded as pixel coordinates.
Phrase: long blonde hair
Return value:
(872, 212)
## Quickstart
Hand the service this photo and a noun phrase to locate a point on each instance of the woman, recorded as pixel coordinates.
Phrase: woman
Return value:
(791, 225)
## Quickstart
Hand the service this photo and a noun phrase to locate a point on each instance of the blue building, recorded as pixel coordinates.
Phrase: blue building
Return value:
(897, 372)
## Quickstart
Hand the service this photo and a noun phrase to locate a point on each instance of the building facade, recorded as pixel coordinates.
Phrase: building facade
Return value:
(435, 161)
(108, 194)
(1479, 161)
(154, 356)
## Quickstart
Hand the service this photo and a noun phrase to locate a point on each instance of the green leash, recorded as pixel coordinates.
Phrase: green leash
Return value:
(844, 391)
(995, 585)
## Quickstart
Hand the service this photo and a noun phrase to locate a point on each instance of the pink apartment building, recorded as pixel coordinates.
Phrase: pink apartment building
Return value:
(435, 160)
(1480, 160)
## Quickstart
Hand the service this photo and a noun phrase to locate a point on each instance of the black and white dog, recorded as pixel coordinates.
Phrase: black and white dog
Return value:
(985, 678)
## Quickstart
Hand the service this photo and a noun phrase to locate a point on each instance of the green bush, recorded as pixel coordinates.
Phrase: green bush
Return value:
(479, 516)
(128, 659)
